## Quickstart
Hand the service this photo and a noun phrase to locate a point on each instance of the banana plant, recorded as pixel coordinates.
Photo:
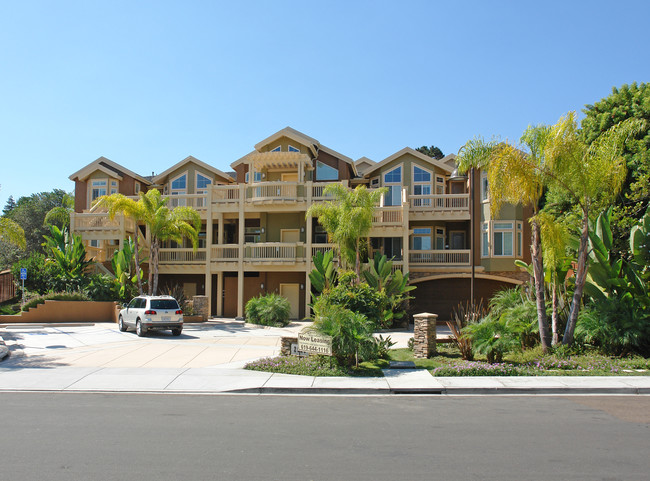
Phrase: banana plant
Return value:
(380, 276)
(324, 275)
(67, 251)
(123, 264)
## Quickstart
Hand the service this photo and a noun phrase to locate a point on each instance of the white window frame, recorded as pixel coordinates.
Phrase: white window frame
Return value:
(114, 186)
(277, 149)
(291, 148)
(200, 202)
(391, 185)
(258, 177)
(428, 235)
(374, 183)
(136, 188)
(92, 187)
(421, 202)
(173, 192)
(520, 239)
(497, 229)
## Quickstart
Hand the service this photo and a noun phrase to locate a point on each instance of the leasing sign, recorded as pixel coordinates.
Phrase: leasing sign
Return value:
(314, 342)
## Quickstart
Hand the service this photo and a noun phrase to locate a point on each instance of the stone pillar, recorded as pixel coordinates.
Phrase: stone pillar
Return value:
(285, 345)
(424, 335)
(201, 307)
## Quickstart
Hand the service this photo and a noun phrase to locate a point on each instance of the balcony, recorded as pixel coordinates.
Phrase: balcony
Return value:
(100, 225)
(101, 254)
(181, 256)
(278, 252)
(443, 206)
(439, 258)
(274, 191)
(388, 216)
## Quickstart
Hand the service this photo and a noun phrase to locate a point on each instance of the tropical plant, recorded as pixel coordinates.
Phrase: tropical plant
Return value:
(324, 274)
(589, 175)
(60, 215)
(12, 233)
(351, 332)
(164, 224)
(268, 310)
(347, 219)
(516, 177)
(39, 273)
(394, 285)
(492, 338)
(463, 315)
(123, 264)
(68, 253)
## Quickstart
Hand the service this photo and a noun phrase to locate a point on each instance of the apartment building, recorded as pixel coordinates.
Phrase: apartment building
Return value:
(255, 236)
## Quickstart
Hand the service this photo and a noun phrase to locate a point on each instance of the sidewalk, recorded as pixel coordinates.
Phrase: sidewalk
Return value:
(210, 359)
(232, 379)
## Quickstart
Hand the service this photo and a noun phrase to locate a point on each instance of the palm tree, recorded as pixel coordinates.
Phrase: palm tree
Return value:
(587, 175)
(61, 215)
(163, 223)
(11, 232)
(118, 203)
(347, 219)
(517, 178)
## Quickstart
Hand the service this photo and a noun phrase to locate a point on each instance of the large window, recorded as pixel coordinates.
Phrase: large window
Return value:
(502, 239)
(178, 187)
(98, 188)
(421, 186)
(393, 180)
(422, 239)
(325, 172)
(258, 177)
(202, 183)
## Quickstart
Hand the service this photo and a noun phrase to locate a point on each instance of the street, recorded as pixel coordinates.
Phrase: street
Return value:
(153, 437)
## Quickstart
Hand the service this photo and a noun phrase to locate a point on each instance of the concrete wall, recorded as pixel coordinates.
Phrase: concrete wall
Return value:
(67, 311)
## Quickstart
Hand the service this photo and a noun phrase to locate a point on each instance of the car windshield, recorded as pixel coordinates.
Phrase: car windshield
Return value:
(164, 304)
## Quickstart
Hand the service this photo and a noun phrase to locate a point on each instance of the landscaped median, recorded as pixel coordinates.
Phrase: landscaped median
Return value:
(447, 362)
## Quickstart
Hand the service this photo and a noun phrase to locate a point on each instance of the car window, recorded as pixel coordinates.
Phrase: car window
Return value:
(164, 304)
(134, 303)
(142, 304)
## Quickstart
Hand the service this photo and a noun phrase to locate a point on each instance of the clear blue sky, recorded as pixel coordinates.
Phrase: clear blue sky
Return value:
(148, 83)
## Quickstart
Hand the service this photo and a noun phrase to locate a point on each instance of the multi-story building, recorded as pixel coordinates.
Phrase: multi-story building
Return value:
(256, 238)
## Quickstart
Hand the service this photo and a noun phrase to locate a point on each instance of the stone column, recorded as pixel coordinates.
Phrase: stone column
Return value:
(201, 307)
(424, 335)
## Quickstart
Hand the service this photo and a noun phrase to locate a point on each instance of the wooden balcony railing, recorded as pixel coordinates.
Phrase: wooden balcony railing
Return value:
(101, 254)
(274, 251)
(225, 194)
(388, 216)
(440, 203)
(98, 221)
(225, 253)
(322, 248)
(440, 258)
(272, 191)
(181, 256)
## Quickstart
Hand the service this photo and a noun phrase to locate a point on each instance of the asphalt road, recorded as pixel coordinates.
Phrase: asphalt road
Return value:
(160, 437)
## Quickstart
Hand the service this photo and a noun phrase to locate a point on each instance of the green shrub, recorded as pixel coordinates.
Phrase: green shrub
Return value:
(351, 332)
(102, 287)
(492, 338)
(56, 296)
(359, 298)
(473, 368)
(39, 273)
(268, 310)
(304, 366)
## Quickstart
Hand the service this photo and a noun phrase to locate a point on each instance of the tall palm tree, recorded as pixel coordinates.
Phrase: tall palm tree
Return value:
(589, 175)
(61, 215)
(163, 224)
(347, 219)
(516, 177)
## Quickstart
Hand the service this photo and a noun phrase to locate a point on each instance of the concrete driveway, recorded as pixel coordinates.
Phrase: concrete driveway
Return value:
(214, 343)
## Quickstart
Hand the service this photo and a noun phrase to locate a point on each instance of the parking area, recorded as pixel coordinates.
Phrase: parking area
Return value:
(210, 344)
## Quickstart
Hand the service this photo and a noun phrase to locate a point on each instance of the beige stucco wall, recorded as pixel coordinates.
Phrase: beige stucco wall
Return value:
(67, 311)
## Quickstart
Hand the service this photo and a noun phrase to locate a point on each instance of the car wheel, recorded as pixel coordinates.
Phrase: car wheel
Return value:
(177, 332)
(121, 325)
(139, 330)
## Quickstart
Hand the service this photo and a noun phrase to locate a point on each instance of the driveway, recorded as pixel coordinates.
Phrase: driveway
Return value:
(214, 343)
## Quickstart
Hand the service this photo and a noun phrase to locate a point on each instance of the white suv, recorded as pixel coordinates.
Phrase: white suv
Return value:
(147, 313)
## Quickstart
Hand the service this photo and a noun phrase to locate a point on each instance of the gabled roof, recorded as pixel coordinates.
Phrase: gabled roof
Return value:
(313, 145)
(449, 159)
(408, 150)
(363, 164)
(158, 178)
(292, 134)
(108, 167)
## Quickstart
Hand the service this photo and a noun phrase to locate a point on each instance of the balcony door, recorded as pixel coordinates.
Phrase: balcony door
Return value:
(290, 177)
(290, 235)
(457, 240)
